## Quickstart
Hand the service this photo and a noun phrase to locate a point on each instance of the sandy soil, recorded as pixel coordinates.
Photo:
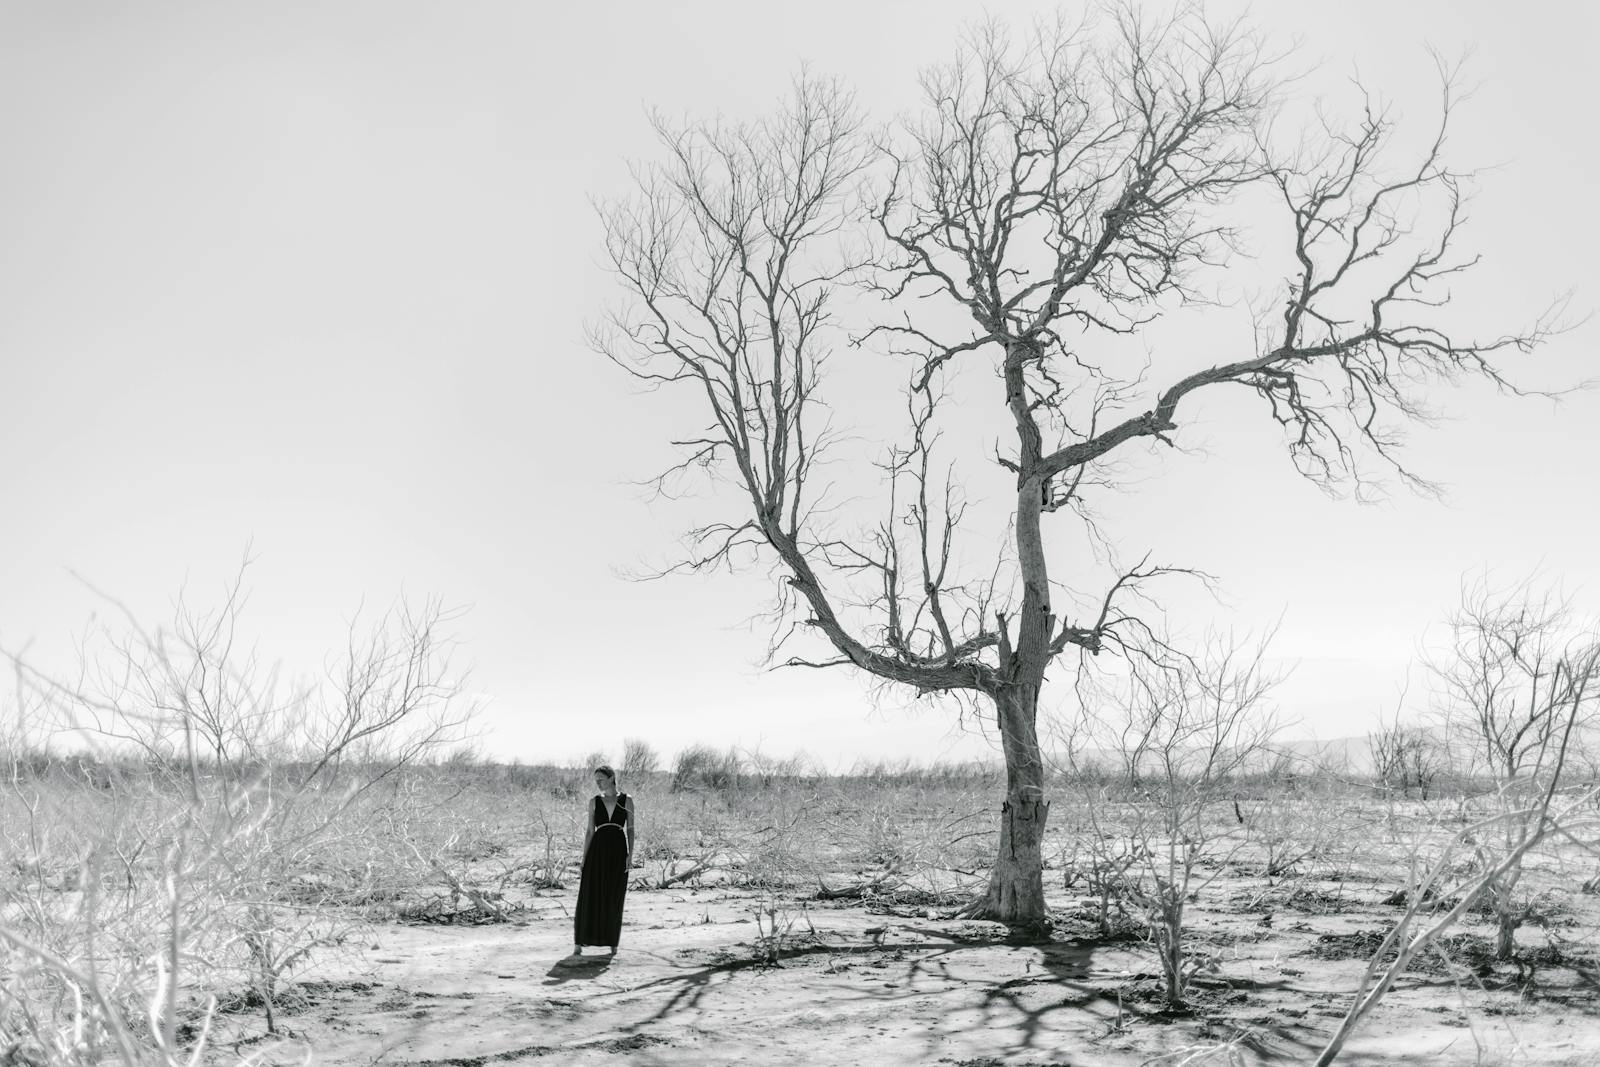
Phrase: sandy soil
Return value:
(890, 985)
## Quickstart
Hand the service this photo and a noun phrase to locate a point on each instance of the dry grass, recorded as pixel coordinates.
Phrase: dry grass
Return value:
(96, 861)
(103, 864)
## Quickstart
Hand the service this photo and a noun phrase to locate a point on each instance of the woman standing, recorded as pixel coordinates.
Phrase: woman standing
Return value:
(607, 855)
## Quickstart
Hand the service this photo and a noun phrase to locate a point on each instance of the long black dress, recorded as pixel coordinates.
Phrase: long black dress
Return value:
(598, 918)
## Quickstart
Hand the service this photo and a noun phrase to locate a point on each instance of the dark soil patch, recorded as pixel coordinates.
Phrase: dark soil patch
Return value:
(527, 1052)
(1451, 954)
(1084, 922)
(441, 913)
(325, 989)
(1402, 897)
(1356, 945)
(1316, 902)
(1557, 956)
(1457, 952)
(631, 1043)
(289, 998)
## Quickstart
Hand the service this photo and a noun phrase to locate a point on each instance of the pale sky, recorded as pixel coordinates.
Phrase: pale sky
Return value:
(313, 277)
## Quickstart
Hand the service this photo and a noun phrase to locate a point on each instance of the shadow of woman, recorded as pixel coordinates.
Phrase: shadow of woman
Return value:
(576, 968)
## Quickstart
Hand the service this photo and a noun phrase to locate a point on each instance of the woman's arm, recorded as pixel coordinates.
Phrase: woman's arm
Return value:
(633, 817)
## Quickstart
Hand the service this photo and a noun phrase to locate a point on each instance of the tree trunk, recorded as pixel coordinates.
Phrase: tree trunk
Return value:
(1503, 902)
(1016, 883)
(1505, 940)
(1170, 944)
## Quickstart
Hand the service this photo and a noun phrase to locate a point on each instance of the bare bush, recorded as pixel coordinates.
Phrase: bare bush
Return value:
(703, 767)
(1100, 861)
(1516, 672)
(639, 757)
(556, 852)
(1404, 756)
(765, 771)
(1449, 889)
(196, 861)
(1292, 835)
(689, 840)
(782, 857)
(1182, 727)
(1520, 681)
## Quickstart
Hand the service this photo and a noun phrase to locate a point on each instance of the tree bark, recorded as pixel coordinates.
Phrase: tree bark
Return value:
(1015, 893)
(1016, 883)
(1505, 941)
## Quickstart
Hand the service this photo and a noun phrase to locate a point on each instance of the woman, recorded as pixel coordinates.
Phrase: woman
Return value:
(607, 855)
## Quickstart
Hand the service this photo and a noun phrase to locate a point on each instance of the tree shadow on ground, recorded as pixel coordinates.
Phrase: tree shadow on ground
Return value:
(1063, 968)
(1123, 1000)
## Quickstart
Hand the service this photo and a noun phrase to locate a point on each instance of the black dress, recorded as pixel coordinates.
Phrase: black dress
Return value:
(598, 918)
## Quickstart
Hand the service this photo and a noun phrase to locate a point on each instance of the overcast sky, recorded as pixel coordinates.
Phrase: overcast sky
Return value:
(313, 278)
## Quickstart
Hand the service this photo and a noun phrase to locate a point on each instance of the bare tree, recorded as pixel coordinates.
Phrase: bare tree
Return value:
(1185, 728)
(1520, 682)
(1056, 193)
(639, 757)
(1549, 811)
(1403, 755)
(1517, 659)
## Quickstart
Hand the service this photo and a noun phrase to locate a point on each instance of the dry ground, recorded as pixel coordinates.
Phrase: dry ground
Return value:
(886, 984)
(889, 979)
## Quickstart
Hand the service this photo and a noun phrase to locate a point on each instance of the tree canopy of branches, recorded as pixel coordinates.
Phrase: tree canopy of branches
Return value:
(1519, 686)
(1521, 666)
(1058, 190)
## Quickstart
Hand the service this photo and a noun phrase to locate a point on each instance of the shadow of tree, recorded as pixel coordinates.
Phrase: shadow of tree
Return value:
(1064, 967)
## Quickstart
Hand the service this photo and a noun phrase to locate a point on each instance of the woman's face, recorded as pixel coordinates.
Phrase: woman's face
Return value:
(602, 782)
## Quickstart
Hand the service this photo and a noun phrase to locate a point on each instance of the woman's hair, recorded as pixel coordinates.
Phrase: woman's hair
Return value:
(607, 771)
